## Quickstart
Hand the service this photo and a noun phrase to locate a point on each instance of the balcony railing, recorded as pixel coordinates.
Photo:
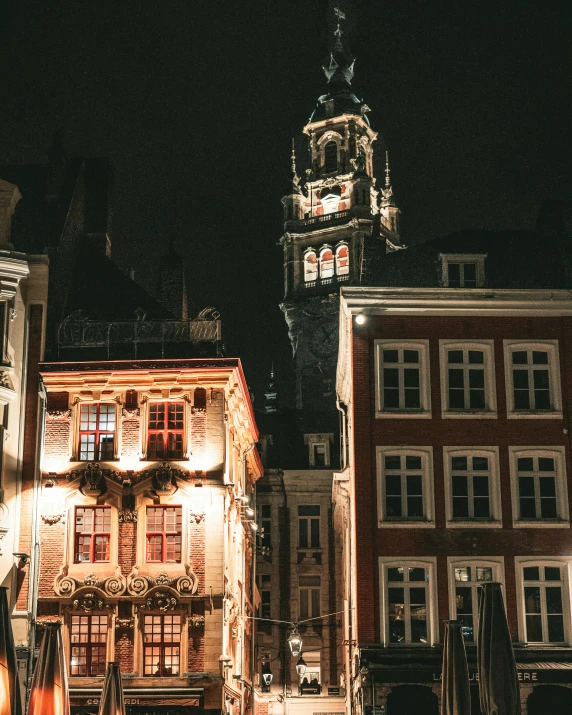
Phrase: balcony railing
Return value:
(325, 282)
(309, 224)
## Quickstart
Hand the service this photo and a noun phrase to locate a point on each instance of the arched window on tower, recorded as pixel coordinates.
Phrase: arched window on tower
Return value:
(326, 263)
(342, 260)
(331, 157)
(310, 266)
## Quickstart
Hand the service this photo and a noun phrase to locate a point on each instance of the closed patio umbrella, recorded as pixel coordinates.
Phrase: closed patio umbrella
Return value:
(10, 696)
(498, 680)
(455, 696)
(112, 701)
(49, 694)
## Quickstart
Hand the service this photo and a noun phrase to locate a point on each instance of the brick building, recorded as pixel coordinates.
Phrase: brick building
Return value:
(146, 530)
(23, 298)
(455, 378)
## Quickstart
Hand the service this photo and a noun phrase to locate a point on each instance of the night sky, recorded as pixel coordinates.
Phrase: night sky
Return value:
(195, 104)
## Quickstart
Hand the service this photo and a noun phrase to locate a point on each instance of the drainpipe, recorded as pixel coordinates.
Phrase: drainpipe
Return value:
(344, 438)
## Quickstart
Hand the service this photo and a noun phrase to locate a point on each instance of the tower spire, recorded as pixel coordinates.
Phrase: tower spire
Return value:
(387, 172)
(339, 66)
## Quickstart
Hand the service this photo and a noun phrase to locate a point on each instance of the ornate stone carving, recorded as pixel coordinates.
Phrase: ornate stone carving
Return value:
(130, 413)
(160, 601)
(187, 585)
(58, 414)
(43, 621)
(91, 580)
(196, 622)
(196, 516)
(164, 478)
(93, 476)
(163, 579)
(137, 585)
(53, 518)
(89, 602)
(65, 585)
(115, 585)
(126, 624)
(127, 516)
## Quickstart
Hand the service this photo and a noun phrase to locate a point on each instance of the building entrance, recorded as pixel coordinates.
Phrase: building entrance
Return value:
(407, 699)
(553, 699)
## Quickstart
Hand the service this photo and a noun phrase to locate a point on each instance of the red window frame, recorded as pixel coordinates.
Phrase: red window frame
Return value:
(88, 645)
(165, 430)
(163, 534)
(162, 645)
(92, 417)
(95, 533)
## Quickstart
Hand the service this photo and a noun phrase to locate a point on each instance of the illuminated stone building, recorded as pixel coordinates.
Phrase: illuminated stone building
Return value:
(146, 533)
(23, 297)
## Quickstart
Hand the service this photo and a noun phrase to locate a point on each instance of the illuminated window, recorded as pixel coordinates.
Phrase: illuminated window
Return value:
(407, 604)
(88, 637)
(92, 534)
(326, 263)
(161, 645)
(330, 157)
(96, 432)
(544, 617)
(163, 534)
(165, 430)
(309, 527)
(310, 266)
(309, 595)
(467, 580)
(342, 260)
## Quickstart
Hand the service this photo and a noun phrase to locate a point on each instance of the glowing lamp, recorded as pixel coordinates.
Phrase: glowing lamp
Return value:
(360, 318)
(249, 512)
(301, 666)
(295, 642)
(254, 526)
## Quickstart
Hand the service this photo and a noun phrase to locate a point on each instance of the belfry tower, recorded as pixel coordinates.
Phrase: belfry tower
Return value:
(335, 218)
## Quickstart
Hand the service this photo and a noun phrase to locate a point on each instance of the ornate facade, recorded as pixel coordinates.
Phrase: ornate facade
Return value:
(145, 530)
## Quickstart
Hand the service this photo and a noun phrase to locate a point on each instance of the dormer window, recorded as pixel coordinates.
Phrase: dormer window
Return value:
(310, 266)
(331, 157)
(342, 260)
(463, 270)
(326, 263)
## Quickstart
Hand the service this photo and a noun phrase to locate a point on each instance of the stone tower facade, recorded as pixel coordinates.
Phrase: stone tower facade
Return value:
(327, 219)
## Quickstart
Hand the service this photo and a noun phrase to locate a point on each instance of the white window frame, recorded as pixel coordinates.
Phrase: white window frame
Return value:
(495, 503)
(496, 563)
(558, 453)
(429, 563)
(477, 258)
(322, 440)
(339, 247)
(422, 346)
(487, 348)
(565, 564)
(549, 346)
(426, 454)
(307, 274)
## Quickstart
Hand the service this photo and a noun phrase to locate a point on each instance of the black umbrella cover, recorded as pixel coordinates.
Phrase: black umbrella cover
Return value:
(10, 696)
(455, 696)
(496, 666)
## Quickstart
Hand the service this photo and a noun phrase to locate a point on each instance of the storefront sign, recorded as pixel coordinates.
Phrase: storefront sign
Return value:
(333, 691)
(547, 675)
(79, 701)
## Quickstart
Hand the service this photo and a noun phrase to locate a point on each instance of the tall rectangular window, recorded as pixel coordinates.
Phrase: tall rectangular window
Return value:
(265, 524)
(265, 596)
(165, 430)
(92, 534)
(537, 488)
(531, 380)
(543, 604)
(470, 487)
(466, 379)
(161, 645)
(164, 534)
(88, 638)
(309, 595)
(96, 432)
(402, 378)
(467, 581)
(407, 604)
(309, 527)
(403, 486)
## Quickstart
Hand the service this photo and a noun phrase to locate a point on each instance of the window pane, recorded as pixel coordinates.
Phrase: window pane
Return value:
(480, 463)
(540, 358)
(396, 607)
(315, 533)
(552, 573)
(519, 357)
(463, 573)
(417, 574)
(390, 356)
(455, 356)
(454, 275)
(412, 462)
(308, 510)
(395, 574)
(393, 462)
(418, 615)
(525, 464)
(410, 356)
(531, 573)
(476, 357)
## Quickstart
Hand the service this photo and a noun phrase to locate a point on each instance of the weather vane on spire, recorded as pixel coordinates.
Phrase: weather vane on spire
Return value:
(341, 16)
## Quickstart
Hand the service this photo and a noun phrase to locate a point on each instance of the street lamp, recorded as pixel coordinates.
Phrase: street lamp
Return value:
(301, 666)
(295, 642)
(266, 676)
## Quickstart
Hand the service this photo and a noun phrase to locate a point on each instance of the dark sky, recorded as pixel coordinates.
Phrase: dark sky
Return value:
(195, 104)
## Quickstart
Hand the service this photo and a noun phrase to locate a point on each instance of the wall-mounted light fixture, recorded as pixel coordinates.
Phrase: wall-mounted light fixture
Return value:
(22, 557)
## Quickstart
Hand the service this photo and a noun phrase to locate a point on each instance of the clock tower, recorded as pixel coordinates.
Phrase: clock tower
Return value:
(336, 219)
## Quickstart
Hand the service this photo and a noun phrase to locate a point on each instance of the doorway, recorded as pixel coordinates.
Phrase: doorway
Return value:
(408, 699)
